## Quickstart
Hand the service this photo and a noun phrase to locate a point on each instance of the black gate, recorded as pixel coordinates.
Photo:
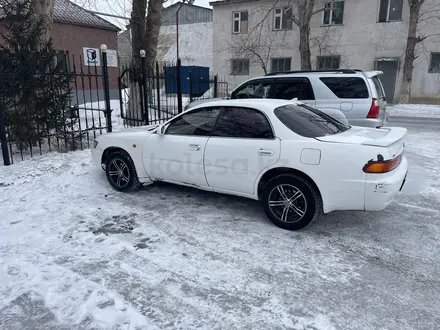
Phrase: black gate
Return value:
(64, 109)
(149, 98)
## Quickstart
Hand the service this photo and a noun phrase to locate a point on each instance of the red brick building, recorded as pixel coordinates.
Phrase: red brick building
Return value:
(75, 30)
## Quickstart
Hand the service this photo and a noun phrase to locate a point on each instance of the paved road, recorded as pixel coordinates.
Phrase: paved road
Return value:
(419, 123)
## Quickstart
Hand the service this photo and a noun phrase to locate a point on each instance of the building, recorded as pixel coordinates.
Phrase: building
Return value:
(367, 34)
(195, 36)
(75, 30)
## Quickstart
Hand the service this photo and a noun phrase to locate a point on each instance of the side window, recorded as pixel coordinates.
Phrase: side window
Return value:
(198, 122)
(288, 90)
(347, 87)
(243, 123)
(253, 90)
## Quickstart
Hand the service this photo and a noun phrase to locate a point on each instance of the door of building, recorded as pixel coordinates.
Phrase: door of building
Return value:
(388, 79)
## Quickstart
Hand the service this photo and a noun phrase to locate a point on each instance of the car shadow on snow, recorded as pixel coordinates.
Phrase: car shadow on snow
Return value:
(235, 208)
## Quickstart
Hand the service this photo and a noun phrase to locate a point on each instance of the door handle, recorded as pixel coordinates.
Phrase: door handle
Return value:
(265, 152)
(194, 147)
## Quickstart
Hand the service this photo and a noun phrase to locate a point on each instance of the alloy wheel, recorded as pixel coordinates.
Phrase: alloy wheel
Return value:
(119, 172)
(287, 203)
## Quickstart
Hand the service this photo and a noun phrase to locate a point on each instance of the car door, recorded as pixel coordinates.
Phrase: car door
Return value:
(295, 87)
(242, 145)
(177, 155)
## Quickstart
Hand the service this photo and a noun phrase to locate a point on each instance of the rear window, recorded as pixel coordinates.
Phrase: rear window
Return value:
(378, 85)
(308, 122)
(347, 87)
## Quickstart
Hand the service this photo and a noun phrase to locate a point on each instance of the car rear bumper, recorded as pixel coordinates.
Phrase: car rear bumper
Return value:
(368, 122)
(381, 189)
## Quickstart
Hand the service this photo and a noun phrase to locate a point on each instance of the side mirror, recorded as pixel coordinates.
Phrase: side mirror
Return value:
(229, 96)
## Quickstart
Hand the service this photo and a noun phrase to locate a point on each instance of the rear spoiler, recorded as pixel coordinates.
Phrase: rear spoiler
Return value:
(394, 135)
(371, 74)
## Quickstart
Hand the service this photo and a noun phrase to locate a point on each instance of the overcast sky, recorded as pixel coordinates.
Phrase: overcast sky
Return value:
(122, 8)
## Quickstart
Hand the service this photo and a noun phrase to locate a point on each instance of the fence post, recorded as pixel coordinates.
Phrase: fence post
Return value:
(215, 86)
(3, 141)
(190, 87)
(144, 85)
(158, 90)
(108, 110)
(179, 86)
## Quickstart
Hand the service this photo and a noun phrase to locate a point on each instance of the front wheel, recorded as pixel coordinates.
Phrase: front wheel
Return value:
(291, 202)
(120, 171)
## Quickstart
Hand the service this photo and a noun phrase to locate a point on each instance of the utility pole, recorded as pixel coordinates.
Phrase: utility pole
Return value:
(177, 27)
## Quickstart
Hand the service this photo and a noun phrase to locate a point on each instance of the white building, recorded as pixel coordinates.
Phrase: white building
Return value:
(361, 34)
(194, 37)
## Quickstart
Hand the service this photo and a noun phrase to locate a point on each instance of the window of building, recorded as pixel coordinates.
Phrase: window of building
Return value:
(243, 123)
(390, 10)
(328, 62)
(283, 19)
(434, 63)
(239, 66)
(347, 87)
(198, 122)
(61, 61)
(333, 13)
(240, 22)
(283, 64)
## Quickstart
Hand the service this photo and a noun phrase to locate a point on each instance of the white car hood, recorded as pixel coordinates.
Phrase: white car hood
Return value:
(134, 132)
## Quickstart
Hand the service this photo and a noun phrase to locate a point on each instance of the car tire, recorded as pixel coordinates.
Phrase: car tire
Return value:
(291, 202)
(121, 172)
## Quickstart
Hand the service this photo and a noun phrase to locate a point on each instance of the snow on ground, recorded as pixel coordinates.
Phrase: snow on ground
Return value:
(75, 254)
(415, 110)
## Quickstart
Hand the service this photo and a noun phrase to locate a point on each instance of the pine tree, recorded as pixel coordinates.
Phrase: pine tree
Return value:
(35, 92)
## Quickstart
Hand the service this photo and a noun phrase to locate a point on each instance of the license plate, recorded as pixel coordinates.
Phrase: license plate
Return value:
(404, 179)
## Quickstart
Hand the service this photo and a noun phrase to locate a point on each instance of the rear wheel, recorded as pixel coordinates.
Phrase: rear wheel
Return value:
(291, 201)
(120, 171)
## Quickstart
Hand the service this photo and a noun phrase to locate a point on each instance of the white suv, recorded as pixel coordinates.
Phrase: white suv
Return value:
(358, 94)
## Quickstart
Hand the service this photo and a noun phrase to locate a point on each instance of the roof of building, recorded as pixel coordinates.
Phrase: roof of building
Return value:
(178, 3)
(67, 12)
(227, 2)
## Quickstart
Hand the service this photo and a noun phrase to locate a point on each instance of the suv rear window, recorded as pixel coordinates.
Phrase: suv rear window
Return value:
(308, 122)
(378, 85)
(347, 87)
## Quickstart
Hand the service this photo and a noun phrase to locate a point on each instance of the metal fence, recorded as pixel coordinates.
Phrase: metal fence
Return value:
(57, 114)
(29, 128)
(148, 98)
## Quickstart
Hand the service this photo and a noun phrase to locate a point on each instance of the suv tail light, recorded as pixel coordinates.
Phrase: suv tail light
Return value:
(374, 109)
(382, 166)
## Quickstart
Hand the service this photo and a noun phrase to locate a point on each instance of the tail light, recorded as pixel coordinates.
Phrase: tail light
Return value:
(374, 109)
(382, 166)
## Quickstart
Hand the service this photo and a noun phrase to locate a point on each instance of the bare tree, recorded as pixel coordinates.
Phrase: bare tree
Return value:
(416, 16)
(42, 13)
(301, 13)
(152, 29)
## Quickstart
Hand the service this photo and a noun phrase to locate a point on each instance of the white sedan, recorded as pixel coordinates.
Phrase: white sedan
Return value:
(295, 159)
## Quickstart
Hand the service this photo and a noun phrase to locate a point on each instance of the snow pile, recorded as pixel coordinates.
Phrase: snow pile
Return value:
(75, 254)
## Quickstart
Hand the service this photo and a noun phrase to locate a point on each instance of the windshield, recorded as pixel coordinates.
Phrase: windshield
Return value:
(308, 122)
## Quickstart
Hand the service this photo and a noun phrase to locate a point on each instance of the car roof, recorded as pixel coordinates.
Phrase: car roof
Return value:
(260, 104)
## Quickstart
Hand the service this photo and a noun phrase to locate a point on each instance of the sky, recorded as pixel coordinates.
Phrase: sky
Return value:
(122, 8)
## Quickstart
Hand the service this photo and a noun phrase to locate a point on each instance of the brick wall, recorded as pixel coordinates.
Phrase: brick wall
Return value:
(73, 38)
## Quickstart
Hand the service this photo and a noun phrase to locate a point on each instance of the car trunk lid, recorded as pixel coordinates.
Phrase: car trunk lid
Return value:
(387, 137)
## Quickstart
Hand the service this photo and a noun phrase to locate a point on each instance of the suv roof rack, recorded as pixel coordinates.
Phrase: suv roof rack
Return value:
(347, 71)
